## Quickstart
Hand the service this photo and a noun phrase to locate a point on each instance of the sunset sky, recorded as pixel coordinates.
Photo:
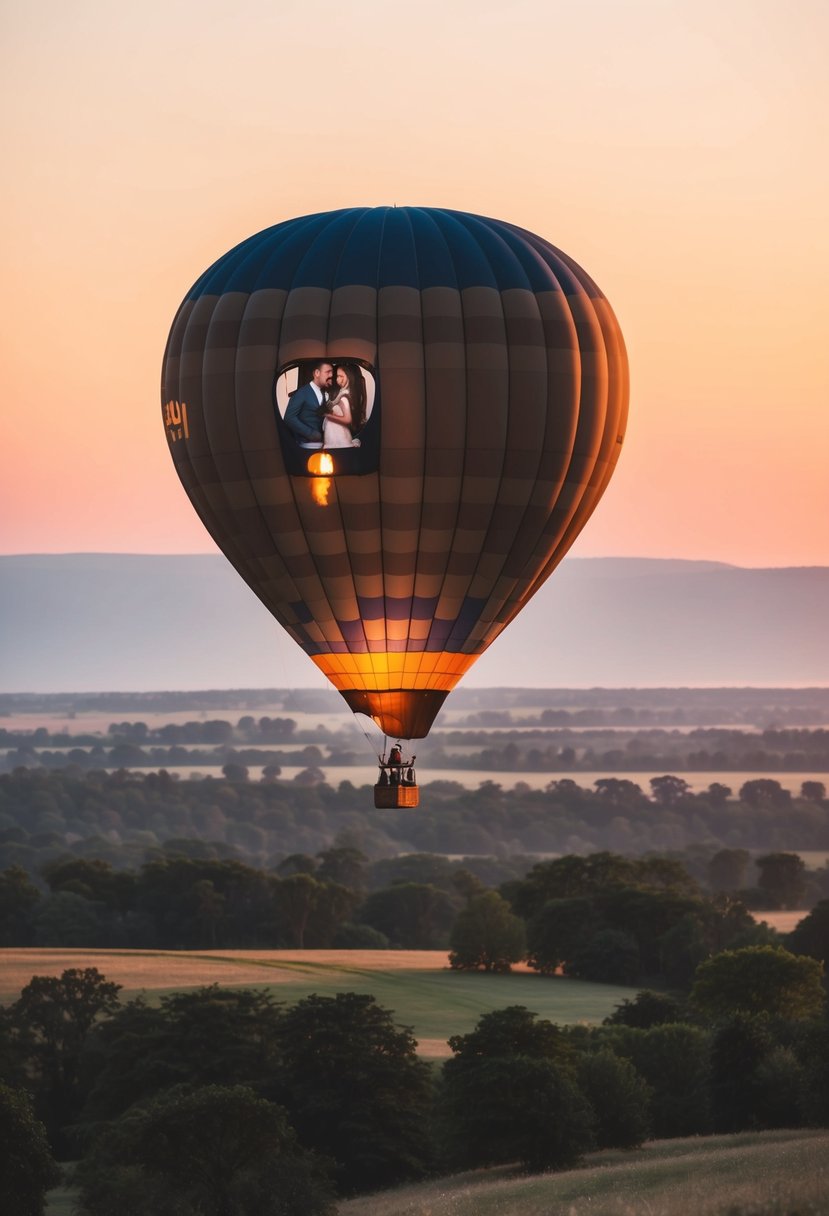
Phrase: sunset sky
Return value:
(675, 148)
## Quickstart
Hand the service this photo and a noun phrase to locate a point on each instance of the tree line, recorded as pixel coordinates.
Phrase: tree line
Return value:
(124, 817)
(254, 741)
(600, 917)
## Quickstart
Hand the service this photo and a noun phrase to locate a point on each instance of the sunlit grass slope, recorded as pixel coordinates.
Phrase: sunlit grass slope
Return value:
(417, 986)
(780, 1173)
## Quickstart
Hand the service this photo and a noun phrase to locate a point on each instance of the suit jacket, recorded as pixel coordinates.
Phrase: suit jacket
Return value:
(303, 417)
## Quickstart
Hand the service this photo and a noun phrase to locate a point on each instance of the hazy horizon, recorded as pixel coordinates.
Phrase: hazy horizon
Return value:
(147, 622)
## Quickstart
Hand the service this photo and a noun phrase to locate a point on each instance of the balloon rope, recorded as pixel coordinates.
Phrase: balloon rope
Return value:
(371, 741)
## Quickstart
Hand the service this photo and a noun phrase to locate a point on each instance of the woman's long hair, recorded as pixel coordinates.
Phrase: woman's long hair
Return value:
(356, 390)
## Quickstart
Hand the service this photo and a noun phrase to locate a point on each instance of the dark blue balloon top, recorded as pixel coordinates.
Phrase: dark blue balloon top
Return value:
(378, 247)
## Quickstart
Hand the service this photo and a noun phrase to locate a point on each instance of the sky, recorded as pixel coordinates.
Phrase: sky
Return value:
(674, 148)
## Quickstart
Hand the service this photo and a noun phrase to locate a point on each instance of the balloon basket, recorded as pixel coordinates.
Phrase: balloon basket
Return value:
(388, 797)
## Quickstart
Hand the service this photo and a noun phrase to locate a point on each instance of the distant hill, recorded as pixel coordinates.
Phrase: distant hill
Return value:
(90, 622)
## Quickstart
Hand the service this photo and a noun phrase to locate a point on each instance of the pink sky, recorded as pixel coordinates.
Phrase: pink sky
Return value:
(675, 148)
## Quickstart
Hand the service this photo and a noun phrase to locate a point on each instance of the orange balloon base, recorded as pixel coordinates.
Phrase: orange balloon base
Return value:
(401, 714)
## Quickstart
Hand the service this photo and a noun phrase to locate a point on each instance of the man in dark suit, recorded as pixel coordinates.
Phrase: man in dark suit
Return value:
(303, 417)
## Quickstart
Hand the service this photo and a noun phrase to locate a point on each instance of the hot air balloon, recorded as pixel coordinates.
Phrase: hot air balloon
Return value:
(495, 383)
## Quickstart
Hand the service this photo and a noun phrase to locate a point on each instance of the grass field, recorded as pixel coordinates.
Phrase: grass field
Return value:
(416, 985)
(781, 1173)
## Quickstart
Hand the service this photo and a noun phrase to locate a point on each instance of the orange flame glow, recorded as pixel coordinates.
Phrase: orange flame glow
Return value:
(320, 491)
(321, 464)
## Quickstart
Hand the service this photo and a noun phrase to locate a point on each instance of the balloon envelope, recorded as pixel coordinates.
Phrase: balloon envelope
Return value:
(497, 383)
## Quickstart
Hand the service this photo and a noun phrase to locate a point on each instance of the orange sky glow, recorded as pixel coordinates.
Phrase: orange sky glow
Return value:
(675, 148)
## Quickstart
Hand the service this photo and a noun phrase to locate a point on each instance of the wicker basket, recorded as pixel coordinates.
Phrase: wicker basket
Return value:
(387, 797)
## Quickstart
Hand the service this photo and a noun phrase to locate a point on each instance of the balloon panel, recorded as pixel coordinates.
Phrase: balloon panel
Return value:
(500, 402)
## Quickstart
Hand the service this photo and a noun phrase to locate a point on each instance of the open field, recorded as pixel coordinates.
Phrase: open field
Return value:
(780, 1173)
(417, 985)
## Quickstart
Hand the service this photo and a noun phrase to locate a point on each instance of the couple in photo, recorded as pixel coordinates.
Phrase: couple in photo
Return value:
(330, 409)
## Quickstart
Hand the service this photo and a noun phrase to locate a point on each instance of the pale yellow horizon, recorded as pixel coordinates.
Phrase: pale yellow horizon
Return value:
(672, 147)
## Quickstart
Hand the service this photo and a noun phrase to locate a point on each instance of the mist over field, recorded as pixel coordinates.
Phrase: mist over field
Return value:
(92, 622)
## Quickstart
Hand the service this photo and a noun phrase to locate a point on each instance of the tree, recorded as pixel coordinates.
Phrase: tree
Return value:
(510, 1094)
(620, 1098)
(212, 1151)
(512, 1031)
(486, 935)
(646, 915)
(782, 875)
(558, 931)
(673, 1059)
(781, 1088)
(813, 791)
(811, 935)
(759, 979)
(727, 869)
(645, 1010)
(52, 1019)
(359, 937)
(295, 898)
(209, 906)
(413, 916)
(619, 790)
(27, 1169)
(718, 794)
(663, 874)
(764, 790)
(515, 1109)
(18, 900)
(611, 956)
(567, 877)
(92, 879)
(309, 911)
(206, 1036)
(356, 1090)
(812, 1048)
(67, 919)
(736, 1049)
(235, 773)
(343, 865)
(669, 790)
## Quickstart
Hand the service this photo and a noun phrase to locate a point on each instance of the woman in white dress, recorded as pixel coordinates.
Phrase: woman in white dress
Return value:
(345, 410)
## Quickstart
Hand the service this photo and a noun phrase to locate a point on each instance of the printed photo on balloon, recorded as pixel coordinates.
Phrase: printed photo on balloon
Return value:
(328, 405)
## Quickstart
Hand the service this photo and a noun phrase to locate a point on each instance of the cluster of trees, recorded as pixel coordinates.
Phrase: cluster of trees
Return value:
(211, 730)
(121, 815)
(223, 1102)
(629, 750)
(612, 919)
(336, 899)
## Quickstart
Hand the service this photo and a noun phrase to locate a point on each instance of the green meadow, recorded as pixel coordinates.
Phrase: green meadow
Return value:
(430, 998)
(437, 1005)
